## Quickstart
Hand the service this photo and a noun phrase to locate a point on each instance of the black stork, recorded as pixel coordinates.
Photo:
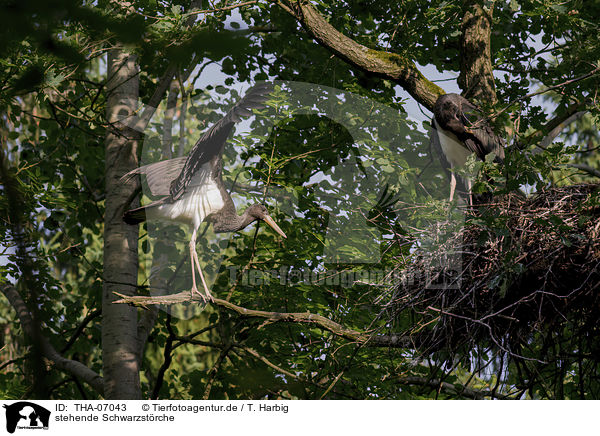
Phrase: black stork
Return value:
(192, 189)
(458, 130)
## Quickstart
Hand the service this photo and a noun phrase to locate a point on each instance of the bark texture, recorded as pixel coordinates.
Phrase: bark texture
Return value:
(476, 77)
(120, 345)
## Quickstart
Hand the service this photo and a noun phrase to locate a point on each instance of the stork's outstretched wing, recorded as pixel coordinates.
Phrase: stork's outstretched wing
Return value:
(159, 175)
(210, 145)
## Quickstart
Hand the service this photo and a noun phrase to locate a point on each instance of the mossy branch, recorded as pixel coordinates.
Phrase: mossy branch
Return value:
(383, 64)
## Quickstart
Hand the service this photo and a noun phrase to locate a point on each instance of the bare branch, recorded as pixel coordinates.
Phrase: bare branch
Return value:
(367, 338)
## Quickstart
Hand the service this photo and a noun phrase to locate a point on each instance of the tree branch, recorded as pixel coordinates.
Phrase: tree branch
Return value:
(163, 84)
(225, 8)
(145, 326)
(281, 370)
(167, 361)
(367, 338)
(212, 374)
(450, 388)
(387, 65)
(554, 123)
(586, 168)
(548, 89)
(72, 367)
(161, 88)
(90, 316)
(551, 136)
(269, 363)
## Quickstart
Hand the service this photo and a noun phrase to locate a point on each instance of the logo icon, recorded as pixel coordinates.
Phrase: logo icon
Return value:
(26, 415)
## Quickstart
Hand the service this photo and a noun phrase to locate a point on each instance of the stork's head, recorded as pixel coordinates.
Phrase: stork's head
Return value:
(451, 112)
(260, 212)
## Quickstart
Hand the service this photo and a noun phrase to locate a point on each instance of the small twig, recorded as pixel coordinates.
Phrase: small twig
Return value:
(225, 8)
(167, 359)
(543, 91)
(214, 370)
(90, 316)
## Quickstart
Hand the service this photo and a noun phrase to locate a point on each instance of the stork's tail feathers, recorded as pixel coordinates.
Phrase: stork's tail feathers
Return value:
(135, 216)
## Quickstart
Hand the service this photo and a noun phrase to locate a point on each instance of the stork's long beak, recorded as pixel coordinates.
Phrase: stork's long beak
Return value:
(273, 225)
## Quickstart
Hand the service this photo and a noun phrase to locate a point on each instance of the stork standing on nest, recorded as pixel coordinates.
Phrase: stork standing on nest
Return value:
(458, 130)
(192, 187)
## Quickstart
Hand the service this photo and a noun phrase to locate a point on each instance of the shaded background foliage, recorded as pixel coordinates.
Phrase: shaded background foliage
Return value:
(53, 124)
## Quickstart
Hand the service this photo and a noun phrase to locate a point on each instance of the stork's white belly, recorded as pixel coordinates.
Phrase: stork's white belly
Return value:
(456, 153)
(201, 198)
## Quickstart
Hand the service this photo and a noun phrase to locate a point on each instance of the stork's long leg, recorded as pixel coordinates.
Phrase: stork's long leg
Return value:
(469, 194)
(452, 185)
(208, 294)
(194, 262)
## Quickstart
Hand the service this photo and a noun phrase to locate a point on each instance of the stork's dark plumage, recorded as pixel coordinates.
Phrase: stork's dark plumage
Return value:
(192, 187)
(459, 129)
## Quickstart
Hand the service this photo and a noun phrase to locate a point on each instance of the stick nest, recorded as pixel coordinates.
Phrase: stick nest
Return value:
(528, 283)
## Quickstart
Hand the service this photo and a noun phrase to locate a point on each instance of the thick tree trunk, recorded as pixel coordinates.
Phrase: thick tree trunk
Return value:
(120, 346)
(476, 77)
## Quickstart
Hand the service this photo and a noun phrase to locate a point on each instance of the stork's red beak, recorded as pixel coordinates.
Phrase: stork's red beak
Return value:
(273, 225)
